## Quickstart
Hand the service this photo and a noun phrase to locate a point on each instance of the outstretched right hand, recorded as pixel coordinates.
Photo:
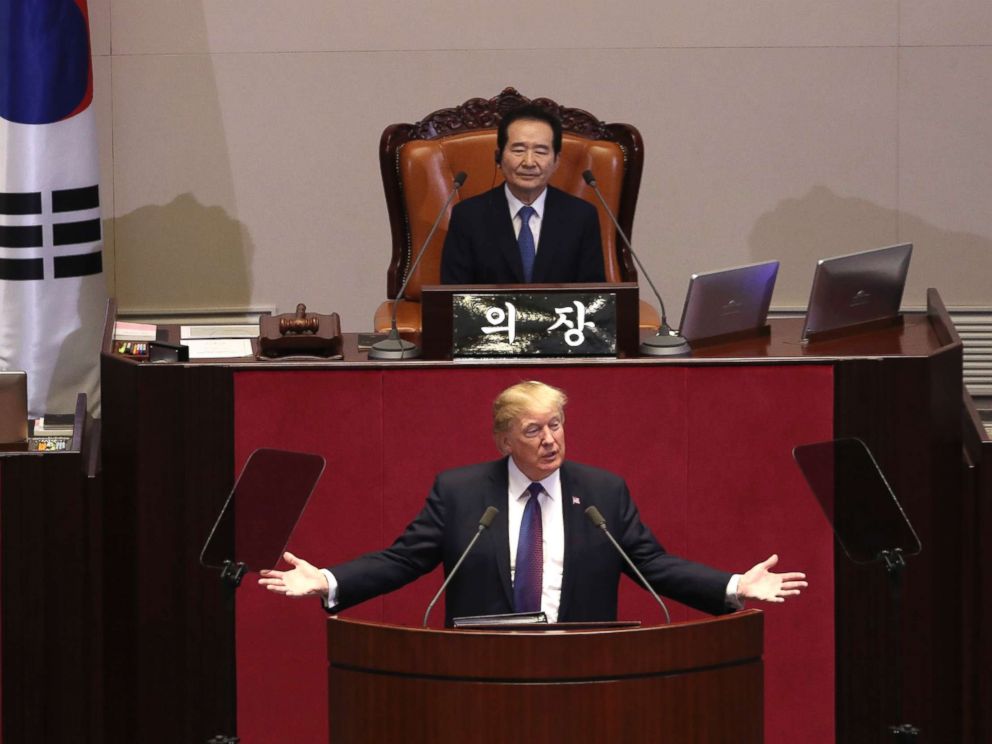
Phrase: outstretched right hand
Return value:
(303, 580)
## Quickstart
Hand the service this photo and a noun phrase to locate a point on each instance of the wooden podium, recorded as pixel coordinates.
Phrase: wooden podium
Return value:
(696, 682)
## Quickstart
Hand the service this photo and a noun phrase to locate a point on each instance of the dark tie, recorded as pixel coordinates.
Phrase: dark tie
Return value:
(528, 573)
(525, 241)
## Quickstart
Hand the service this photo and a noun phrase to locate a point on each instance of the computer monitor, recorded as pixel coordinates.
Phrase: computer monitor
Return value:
(729, 302)
(13, 407)
(856, 290)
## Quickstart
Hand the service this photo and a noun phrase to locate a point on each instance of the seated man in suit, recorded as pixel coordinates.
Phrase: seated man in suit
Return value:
(524, 230)
(541, 553)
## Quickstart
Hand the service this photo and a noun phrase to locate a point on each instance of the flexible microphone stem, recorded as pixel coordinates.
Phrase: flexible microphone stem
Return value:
(487, 519)
(394, 347)
(665, 341)
(597, 519)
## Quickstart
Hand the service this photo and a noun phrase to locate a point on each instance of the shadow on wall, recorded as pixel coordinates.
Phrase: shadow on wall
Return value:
(182, 255)
(821, 224)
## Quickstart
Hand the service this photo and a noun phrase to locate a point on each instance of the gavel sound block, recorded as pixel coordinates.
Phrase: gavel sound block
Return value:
(299, 333)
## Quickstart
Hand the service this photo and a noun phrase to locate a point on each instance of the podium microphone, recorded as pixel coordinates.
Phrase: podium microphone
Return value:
(597, 519)
(487, 519)
(665, 341)
(394, 347)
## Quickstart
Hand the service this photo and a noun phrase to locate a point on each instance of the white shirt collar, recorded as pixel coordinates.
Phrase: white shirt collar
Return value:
(519, 482)
(516, 204)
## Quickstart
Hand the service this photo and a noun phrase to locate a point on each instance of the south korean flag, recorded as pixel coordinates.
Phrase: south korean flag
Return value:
(52, 288)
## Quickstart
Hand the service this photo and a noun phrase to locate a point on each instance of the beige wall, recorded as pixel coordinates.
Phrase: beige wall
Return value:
(239, 138)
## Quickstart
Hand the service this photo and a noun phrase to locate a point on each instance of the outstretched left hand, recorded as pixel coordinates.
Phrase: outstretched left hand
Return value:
(761, 583)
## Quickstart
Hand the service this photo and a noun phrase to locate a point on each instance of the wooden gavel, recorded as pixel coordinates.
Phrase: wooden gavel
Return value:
(302, 323)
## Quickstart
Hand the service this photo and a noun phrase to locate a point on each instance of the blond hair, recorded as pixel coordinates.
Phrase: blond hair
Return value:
(531, 395)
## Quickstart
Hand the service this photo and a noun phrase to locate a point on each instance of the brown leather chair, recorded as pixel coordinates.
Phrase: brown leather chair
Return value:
(419, 162)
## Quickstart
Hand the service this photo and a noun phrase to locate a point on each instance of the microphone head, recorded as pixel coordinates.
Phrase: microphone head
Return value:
(488, 517)
(591, 180)
(460, 177)
(595, 517)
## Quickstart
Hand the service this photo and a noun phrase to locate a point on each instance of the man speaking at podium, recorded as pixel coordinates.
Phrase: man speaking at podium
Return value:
(524, 230)
(541, 553)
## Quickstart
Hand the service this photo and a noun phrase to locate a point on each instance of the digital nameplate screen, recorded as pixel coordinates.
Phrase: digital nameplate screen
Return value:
(534, 324)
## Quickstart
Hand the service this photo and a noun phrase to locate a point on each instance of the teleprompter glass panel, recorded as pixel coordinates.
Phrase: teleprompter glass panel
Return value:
(262, 509)
(866, 516)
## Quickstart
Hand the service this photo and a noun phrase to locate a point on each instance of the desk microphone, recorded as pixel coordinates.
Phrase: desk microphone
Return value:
(487, 519)
(394, 347)
(597, 519)
(665, 341)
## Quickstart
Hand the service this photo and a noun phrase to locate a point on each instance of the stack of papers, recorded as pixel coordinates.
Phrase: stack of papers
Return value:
(124, 331)
(219, 341)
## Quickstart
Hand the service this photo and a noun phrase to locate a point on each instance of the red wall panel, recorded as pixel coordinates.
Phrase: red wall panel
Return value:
(705, 450)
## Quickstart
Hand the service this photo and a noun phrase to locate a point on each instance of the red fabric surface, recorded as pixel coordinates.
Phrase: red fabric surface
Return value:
(706, 452)
(747, 500)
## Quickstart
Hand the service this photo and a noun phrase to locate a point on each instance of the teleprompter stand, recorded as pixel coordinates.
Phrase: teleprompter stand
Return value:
(268, 499)
(871, 527)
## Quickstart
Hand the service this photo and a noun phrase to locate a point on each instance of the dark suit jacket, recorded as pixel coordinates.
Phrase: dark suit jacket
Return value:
(480, 247)
(592, 567)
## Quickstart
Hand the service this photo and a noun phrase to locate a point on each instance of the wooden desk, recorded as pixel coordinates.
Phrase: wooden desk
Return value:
(50, 592)
(720, 423)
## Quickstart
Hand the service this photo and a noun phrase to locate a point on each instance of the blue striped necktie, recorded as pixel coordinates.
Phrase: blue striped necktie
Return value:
(528, 574)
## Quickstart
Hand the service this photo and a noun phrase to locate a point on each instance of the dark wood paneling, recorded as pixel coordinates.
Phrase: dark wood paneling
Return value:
(50, 587)
(168, 470)
(983, 588)
(976, 532)
(907, 411)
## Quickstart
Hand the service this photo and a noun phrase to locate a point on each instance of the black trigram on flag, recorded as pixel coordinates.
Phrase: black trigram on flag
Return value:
(59, 231)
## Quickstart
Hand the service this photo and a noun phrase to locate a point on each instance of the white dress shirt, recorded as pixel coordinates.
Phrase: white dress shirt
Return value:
(535, 220)
(552, 531)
